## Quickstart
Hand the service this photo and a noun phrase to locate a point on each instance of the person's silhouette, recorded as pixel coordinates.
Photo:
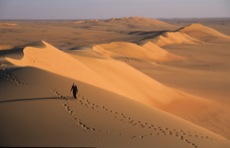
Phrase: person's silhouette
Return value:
(74, 90)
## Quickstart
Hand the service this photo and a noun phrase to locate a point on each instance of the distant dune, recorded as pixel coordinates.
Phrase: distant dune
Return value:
(175, 38)
(192, 34)
(203, 32)
(141, 21)
(3, 24)
(6, 47)
(148, 51)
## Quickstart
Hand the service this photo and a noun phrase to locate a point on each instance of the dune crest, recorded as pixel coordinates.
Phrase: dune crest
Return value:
(103, 52)
(45, 56)
(192, 34)
(169, 38)
(140, 21)
(148, 51)
(161, 54)
(127, 50)
(202, 32)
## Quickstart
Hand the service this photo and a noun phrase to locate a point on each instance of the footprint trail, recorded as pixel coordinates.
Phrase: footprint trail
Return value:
(154, 130)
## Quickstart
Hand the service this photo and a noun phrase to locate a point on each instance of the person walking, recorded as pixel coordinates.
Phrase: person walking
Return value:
(74, 90)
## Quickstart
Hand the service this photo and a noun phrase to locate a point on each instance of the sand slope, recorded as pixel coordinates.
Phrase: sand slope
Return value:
(191, 34)
(140, 21)
(141, 83)
(99, 118)
(99, 73)
(148, 51)
(203, 32)
(175, 38)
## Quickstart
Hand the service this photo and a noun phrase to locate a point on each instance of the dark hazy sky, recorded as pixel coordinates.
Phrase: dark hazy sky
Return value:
(102, 9)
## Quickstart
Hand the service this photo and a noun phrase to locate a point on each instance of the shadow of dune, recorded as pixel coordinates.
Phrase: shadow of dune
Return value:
(36, 99)
(146, 35)
(11, 51)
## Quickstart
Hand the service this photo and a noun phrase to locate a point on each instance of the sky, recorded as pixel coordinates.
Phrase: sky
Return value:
(105, 9)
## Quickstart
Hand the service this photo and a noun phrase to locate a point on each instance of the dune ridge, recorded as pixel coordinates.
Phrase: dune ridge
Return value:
(100, 73)
(161, 54)
(104, 71)
(169, 38)
(43, 55)
(141, 21)
(84, 119)
(147, 51)
(191, 34)
(203, 32)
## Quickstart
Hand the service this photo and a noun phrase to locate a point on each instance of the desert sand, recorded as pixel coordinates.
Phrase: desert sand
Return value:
(142, 83)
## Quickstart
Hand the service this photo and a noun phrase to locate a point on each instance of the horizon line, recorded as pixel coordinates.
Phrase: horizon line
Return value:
(113, 18)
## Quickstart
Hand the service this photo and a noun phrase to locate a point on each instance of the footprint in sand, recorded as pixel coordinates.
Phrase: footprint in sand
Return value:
(182, 137)
(13, 79)
(159, 130)
(81, 102)
(164, 131)
(142, 126)
(123, 117)
(141, 137)
(132, 137)
(75, 119)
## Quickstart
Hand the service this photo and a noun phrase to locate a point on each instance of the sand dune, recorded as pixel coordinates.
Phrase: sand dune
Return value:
(92, 120)
(104, 53)
(141, 21)
(148, 51)
(129, 22)
(2, 24)
(134, 90)
(47, 57)
(101, 72)
(203, 32)
(175, 38)
(192, 34)
(95, 72)
(161, 54)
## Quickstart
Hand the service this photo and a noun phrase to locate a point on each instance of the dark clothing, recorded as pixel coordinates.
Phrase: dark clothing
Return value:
(74, 90)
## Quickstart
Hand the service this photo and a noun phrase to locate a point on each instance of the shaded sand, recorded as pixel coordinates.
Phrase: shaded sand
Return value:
(141, 82)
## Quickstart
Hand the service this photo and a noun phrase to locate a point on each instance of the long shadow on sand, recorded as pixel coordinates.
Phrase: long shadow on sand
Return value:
(11, 51)
(36, 99)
